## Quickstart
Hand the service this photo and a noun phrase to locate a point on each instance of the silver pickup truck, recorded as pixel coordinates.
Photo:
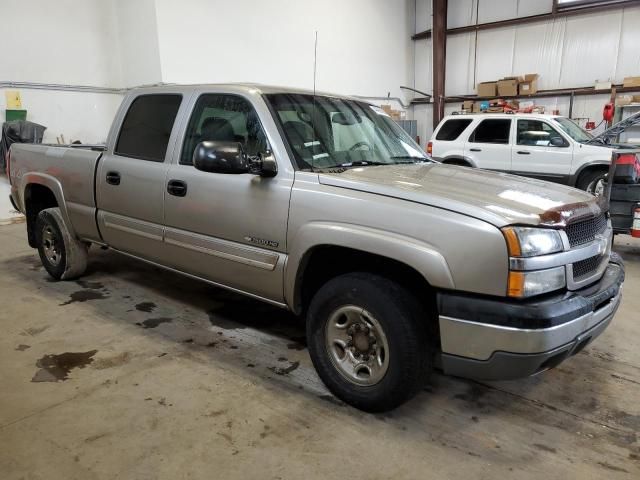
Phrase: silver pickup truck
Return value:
(322, 205)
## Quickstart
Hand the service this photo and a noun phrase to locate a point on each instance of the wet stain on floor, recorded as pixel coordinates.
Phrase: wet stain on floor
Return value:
(286, 370)
(90, 285)
(84, 296)
(147, 307)
(154, 322)
(240, 313)
(33, 331)
(55, 368)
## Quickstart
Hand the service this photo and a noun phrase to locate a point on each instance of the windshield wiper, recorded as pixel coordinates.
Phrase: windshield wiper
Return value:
(411, 157)
(362, 163)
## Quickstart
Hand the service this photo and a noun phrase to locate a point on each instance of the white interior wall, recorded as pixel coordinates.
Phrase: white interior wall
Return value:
(364, 46)
(138, 42)
(63, 42)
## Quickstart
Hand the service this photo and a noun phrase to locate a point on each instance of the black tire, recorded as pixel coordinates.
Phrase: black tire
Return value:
(588, 180)
(404, 323)
(63, 256)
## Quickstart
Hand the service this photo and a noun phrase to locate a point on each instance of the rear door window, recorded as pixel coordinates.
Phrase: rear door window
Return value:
(492, 130)
(451, 129)
(147, 126)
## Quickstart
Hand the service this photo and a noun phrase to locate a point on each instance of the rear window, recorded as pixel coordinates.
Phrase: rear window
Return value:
(147, 127)
(451, 129)
(494, 130)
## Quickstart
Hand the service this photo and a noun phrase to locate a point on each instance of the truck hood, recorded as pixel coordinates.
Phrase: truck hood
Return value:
(498, 198)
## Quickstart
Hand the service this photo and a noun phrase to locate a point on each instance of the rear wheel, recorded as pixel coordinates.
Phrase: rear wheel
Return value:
(592, 181)
(368, 341)
(62, 256)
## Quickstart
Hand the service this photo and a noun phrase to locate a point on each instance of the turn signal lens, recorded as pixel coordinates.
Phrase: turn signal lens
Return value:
(430, 148)
(513, 244)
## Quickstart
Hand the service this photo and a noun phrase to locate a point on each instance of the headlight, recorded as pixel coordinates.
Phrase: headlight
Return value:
(527, 284)
(530, 242)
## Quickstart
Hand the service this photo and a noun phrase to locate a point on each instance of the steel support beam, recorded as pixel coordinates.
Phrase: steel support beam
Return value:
(439, 45)
(558, 13)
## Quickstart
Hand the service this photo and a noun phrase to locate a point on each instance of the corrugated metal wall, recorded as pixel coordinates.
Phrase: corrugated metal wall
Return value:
(568, 52)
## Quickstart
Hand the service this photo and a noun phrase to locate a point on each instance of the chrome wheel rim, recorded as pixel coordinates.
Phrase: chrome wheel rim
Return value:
(357, 345)
(51, 246)
(596, 187)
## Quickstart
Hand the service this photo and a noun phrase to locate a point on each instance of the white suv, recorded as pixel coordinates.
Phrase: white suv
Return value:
(548, 147)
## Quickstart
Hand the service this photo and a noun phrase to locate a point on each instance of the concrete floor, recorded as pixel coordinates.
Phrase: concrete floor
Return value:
(174, 379)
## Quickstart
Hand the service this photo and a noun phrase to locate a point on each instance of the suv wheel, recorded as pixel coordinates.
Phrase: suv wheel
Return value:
(62, 255)
(368, 341)
(592, 182)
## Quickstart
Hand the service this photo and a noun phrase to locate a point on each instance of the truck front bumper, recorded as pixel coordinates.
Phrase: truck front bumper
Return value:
(504, 339)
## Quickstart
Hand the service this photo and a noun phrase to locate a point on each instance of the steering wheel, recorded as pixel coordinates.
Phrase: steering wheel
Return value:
(360, 144)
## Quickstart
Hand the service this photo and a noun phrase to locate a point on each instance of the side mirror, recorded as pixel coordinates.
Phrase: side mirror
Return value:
(557, 142)
(264, 165)
(220, 157)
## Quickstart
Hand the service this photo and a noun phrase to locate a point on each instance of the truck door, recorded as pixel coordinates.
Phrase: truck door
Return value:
(488, 145)
(229, 229)
(540, 151)
(130, 181)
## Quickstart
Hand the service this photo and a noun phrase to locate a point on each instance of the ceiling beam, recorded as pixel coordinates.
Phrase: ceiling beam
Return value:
(439, 47)
(559, 13)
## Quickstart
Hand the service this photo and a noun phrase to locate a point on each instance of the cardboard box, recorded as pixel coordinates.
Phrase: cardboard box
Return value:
(468, 105)
(508, 87)
(623, 100)
(529, 85)
(635, 99)
(476, 107)
(486, 89)
(602, 85)
(631, 82)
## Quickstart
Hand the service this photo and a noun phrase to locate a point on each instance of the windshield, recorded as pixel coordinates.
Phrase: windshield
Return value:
(572, 129)
(334, 132)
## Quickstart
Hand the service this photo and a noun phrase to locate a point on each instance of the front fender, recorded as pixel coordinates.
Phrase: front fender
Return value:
(419, 255)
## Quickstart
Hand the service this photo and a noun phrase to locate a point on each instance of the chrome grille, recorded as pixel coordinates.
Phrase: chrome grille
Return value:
(585, 231)
(586, 267)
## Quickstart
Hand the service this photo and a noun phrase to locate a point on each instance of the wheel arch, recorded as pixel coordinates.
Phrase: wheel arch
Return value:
(590, 166)
(457, 159)
(346, 248)
(41, 191)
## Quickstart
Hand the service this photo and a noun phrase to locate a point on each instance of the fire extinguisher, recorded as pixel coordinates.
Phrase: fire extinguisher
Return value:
(607, 112)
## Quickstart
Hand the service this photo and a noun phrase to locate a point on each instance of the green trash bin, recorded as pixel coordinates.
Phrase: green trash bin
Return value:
(15, 115)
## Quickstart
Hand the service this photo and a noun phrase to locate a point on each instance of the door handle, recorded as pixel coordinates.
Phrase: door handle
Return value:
(523, 152)
(113, 178)
(177, 188)
(475, 149)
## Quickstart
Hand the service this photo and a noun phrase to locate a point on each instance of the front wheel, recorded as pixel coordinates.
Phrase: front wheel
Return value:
(62, 255)
(368, 340)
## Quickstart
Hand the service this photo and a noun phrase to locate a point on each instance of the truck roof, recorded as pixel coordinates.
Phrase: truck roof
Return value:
(502, 115)
(245, 87)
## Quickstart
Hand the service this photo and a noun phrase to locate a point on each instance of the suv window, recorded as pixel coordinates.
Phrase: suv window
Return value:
(451, 129)
(494, 130)
(147, 126)
(537, 132)
(223, 118)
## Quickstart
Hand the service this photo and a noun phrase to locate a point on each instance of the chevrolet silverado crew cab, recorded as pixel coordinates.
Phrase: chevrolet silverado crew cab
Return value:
(322, 205)
(548, 147)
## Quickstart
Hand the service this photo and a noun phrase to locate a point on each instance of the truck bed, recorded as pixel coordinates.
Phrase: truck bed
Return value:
(68, 169)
